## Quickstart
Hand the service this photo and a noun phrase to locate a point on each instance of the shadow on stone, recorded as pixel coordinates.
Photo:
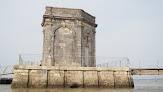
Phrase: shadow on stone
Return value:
(74, 86)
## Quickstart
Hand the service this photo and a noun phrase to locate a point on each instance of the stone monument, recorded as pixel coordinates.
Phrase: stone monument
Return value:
(69, 56)
(68, 37)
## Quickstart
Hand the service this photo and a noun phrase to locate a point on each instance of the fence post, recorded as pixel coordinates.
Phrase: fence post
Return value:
(120, 63)
(20, 60)
(127, 62)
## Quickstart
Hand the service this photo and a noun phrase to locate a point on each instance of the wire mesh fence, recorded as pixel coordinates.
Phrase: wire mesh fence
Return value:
(30, 59)
(112, 62)
(35, 60)
(101, 61)
(4, 70)
(146, 62)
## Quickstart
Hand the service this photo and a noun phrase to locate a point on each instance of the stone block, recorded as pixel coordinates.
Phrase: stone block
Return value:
(20, 79)
(121, 79)
(37, 79)
(90, 79)
(106, 79)
(74, 79)
(56, 79)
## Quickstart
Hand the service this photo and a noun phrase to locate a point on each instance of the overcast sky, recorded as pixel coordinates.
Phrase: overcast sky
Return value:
(132, 28)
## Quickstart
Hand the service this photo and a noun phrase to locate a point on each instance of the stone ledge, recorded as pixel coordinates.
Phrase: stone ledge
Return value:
(71, 68)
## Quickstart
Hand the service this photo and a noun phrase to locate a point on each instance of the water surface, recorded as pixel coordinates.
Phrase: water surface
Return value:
(140, 86)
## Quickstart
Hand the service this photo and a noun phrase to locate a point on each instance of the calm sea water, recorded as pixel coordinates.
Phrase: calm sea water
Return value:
(140, 86)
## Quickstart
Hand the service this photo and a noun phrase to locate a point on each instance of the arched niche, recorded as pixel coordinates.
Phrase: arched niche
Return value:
(64, 46)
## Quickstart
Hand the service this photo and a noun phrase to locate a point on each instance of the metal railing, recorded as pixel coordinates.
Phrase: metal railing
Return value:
(35, 60)
(30, 59)
(146, 62)
(4, 70)
(114, 62)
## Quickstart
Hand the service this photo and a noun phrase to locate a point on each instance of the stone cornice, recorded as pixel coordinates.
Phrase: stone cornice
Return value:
(67, 18)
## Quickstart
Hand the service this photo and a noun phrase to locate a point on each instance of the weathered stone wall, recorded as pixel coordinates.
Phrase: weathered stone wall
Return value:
(106, 79)
(88, 40)
(66, 33)
(56, 79)
(90, 79)
(20, 79)
(67, 77)
(37, 78)
(73, 78)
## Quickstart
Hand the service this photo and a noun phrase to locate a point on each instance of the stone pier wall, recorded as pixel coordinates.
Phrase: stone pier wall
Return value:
(67, 77)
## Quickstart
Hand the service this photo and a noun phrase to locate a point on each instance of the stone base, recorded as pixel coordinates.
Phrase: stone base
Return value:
(69, 77)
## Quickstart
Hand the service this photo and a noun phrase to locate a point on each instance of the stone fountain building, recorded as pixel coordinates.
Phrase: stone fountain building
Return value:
(68, 58)
(68, 38)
